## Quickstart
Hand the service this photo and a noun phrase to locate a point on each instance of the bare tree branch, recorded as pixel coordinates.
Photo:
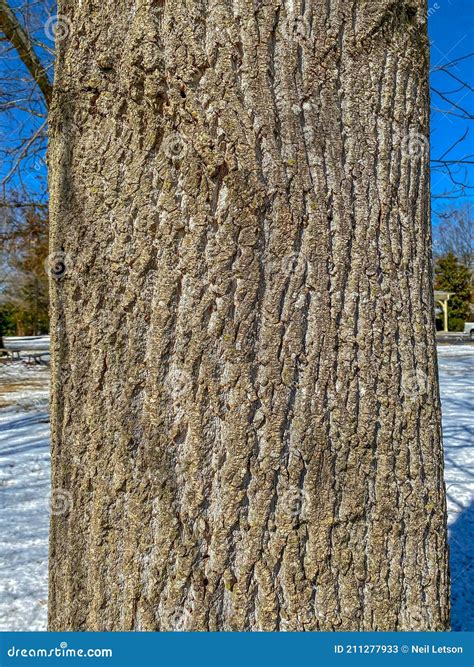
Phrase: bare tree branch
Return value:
(19, 39)
(24, 152)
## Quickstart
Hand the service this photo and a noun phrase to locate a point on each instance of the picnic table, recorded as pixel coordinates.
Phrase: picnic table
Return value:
(9, 355)
(34, 356)
(27, 356)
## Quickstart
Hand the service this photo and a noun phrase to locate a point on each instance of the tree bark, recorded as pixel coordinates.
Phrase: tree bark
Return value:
(246, 419)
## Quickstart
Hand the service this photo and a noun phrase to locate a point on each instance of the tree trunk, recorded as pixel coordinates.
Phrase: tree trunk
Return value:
(246, 419)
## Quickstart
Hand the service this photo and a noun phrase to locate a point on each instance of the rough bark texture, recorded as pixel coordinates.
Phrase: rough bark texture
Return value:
(245, 403)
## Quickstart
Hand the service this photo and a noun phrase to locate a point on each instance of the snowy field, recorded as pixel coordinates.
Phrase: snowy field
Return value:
(24, 487)
(456, 374)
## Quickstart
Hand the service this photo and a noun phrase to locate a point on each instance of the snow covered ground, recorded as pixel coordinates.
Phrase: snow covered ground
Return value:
(24, 490)
(456, 372)
(24, 487)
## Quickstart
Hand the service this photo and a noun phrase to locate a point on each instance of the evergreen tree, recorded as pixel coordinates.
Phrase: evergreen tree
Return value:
(24, 289)
(452, 276)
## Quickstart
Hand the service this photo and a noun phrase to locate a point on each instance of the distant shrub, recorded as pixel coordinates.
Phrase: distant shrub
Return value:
(455, 324)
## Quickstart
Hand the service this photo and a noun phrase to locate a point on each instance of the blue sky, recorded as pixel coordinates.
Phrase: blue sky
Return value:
(451, 28)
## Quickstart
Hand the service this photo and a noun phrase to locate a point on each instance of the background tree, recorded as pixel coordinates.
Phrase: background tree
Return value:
(28, 31)
(452, 276)
(28, 28)
(246, 420)
(455, 234)
(24, 286)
